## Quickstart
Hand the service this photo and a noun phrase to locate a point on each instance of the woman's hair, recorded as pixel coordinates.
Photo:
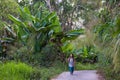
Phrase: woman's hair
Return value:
(72, 55)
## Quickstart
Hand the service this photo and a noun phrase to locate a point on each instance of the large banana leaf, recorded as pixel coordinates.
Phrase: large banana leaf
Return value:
(73, 34)
(16, 20)
(22, 30)
(25, 14)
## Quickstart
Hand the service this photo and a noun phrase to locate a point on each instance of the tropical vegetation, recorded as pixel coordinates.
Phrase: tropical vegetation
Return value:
(37, 36)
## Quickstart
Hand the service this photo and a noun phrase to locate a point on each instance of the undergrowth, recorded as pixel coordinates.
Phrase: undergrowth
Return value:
(86, 66)
(22, 71)
(15, 71)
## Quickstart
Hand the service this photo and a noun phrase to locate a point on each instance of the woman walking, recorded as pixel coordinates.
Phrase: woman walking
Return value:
(71, 63)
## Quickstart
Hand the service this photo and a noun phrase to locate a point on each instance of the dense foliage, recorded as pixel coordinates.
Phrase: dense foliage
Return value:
(43, 33)
(107, 33)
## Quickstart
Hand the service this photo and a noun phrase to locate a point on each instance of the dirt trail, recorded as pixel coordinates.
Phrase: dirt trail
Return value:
(79, 75)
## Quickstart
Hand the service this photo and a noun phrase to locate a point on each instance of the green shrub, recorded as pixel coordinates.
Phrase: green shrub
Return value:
(15, 71)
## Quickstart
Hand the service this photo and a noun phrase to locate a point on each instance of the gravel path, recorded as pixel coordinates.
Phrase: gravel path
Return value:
(79, 75)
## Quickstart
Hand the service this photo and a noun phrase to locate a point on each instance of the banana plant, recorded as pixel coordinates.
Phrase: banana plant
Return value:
(42, 28)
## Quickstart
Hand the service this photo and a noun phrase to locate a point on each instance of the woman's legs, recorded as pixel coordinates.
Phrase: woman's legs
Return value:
(71, 69)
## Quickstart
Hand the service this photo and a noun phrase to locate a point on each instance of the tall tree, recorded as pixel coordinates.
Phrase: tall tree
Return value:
(74, 13)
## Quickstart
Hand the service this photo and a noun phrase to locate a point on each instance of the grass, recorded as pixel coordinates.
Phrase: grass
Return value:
(86, 66)
(15, 71)
(110, 74)
(48, 73)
